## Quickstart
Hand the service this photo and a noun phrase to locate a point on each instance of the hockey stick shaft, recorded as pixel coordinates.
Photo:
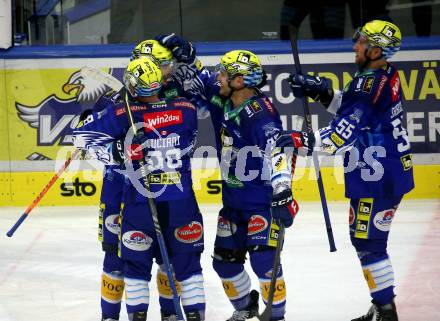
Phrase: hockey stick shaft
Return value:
(293, 32)
(267, 313)
(42, 193)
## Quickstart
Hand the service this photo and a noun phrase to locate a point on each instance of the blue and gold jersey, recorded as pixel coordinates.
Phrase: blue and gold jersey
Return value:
(245, 136)
(369, 125)
(169, 128)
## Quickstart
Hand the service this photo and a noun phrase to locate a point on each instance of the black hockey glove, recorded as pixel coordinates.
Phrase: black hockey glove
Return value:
(182, 49)
(84, 116)
(296, 140)
(284, 207)
(319, 89)
(118, 151)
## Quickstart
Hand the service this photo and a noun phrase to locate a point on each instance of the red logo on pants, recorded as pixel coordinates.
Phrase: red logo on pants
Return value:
(189, 233)
(256, 224)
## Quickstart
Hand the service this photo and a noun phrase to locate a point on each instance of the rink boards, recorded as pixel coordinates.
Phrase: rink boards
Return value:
(41, 97)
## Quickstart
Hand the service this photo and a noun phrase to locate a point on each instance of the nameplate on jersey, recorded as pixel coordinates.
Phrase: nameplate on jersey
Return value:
(162, 119)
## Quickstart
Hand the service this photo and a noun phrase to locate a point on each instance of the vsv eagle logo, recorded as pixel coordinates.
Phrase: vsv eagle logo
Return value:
(55, 118)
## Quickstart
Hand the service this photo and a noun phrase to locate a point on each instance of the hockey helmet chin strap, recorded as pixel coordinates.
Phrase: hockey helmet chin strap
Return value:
(231, 87)
(368, 60)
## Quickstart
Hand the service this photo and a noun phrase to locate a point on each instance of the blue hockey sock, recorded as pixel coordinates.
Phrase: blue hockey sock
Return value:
(137, 292)
(379, 274)
(236, 283)
(262, 264)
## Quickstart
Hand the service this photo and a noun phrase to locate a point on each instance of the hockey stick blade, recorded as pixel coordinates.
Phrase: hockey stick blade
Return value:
(102, 77)
(42, 193)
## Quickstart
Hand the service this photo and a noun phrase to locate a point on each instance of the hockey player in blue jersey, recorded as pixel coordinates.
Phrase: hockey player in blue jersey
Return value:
(178, 70)
(177, 74)
(112, 280)
(378, 160)
(169, 132)
(246, 125)
(110, 201)
(253, 180)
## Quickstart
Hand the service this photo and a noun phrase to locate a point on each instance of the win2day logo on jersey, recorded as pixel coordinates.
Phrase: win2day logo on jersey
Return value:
(55, 116)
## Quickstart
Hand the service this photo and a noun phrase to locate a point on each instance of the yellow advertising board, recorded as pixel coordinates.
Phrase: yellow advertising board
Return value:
(41, 101)
(83, 188)
(43, 106)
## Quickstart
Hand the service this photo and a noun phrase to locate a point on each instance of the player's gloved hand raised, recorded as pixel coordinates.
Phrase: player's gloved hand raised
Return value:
(135, 151)
(284, 207)
(182, 49)
(85, 117)
(295, 140)
(318, 88)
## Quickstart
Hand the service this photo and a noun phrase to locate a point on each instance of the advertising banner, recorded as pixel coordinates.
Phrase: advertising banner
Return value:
(43, 104)
(42, 99)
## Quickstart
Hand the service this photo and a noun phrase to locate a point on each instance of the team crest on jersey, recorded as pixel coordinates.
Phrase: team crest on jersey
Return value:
(368, 84)
(256, 108)
(54, 118)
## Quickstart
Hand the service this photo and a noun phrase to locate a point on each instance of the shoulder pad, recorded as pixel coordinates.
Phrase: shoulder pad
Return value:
(108, 94)
(370, 84)
(252, 108)
(107, 99)
(260, 107)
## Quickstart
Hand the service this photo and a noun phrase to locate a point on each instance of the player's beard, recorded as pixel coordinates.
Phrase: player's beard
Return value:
(362, 62)
(225, 90)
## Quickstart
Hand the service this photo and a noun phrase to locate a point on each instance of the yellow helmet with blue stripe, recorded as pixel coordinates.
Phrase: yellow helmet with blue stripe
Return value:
(382, 34)
(245, 63)
(143, 77)
(152, 48)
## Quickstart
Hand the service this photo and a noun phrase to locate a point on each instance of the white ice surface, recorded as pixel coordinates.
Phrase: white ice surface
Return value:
(50, 269)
